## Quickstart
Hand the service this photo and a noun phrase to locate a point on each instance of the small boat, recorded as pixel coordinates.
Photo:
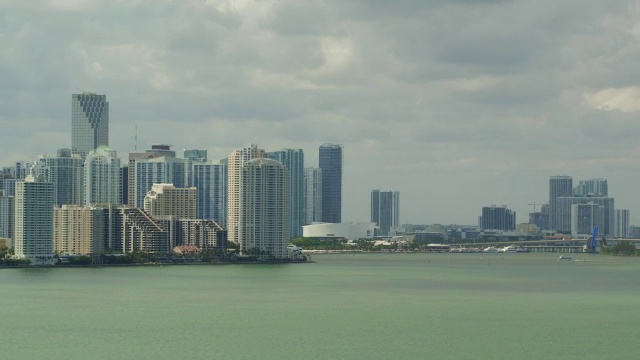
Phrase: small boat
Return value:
(490, 249)
(509, 249)
(564, 257)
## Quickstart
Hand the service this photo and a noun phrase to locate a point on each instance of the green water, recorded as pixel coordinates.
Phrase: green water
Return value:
(369, 306)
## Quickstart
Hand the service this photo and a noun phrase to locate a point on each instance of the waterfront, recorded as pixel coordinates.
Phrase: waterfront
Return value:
(364, 306)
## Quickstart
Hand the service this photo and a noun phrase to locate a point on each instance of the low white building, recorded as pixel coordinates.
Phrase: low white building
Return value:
(349, 231)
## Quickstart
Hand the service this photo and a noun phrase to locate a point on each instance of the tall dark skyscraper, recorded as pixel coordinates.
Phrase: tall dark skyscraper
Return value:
(385, 210)
(331, 165)
(559, 186)
(89, 122)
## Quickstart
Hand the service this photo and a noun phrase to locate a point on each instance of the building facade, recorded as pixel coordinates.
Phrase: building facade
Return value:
(33, 232)
(563, 212)
(159, 170)
(293, 161)
(102, 177)
(89, 122)
(7, 213)
(559, 186)
(210, 180)
(167, 200)
(586, 216)
(592, 187)
(263, 224)
(385, 211)
(621, 223)
(235, 162)
(330, 161)
(78, 230)
(66, 172)
(348, 231)
(313, 195)
(497, 218)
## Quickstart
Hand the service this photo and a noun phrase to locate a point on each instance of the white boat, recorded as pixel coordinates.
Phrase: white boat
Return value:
(509, 249)
(564, 257)
(490, 249)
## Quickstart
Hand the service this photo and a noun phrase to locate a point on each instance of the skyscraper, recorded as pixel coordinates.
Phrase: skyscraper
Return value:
(385, 211)
(293, 161)
(592, 187)
(7, 214)
(89, 122)
(210, 181)
(102, 177)
(193, 156)
(497, 218)
(158, 170)
(313, 195)
(330, 159)
(66, 172)
(263, 221)
(621, 227)
(33, 232)
(558, 186)
(235, 161)
(585, 216)
(564, 214)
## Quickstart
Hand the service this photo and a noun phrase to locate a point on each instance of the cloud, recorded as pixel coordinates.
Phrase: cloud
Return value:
(455, 103)
(624, 99)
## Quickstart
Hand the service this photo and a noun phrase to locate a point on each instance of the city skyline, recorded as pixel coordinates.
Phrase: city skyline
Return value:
(418, 106)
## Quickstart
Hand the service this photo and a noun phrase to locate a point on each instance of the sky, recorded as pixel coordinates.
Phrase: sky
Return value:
(456, 104)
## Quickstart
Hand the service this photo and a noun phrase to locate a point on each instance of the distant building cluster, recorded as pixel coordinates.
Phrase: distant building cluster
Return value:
(571, 210)
(86, 201)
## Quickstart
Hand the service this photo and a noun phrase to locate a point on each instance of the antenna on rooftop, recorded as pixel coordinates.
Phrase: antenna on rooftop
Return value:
(135, 146)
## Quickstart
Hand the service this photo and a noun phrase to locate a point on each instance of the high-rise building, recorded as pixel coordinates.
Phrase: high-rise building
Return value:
(621, 225)
(263, 221)
(385, 211)
(89, 122)
(564, 217)
(313, 195)
(78, 230)
(124, 184)
(66, 172)
(8, 184)
(33, 232)
(330, 161)
(159, 170)
(497, 218)
(193, 156)
(235, 161)
(558, 186)
(102, 177)
(167, 200)
(592, 187)
(21, 169)
(293, 161)
(131, 175)
(586, 216)
(210, 180)
(7, 214)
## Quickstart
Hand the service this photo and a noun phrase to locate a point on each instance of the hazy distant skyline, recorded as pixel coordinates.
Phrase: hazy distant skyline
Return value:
(456, 104)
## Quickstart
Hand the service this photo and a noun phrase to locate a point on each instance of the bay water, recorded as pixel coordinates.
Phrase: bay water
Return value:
(343, 306)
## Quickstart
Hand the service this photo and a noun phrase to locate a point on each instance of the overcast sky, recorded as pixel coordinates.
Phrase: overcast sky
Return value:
(457, 104)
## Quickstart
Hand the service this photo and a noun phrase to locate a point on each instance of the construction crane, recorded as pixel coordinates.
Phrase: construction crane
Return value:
(534, 205)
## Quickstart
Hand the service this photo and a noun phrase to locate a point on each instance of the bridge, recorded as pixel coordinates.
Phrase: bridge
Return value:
(546, 245)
